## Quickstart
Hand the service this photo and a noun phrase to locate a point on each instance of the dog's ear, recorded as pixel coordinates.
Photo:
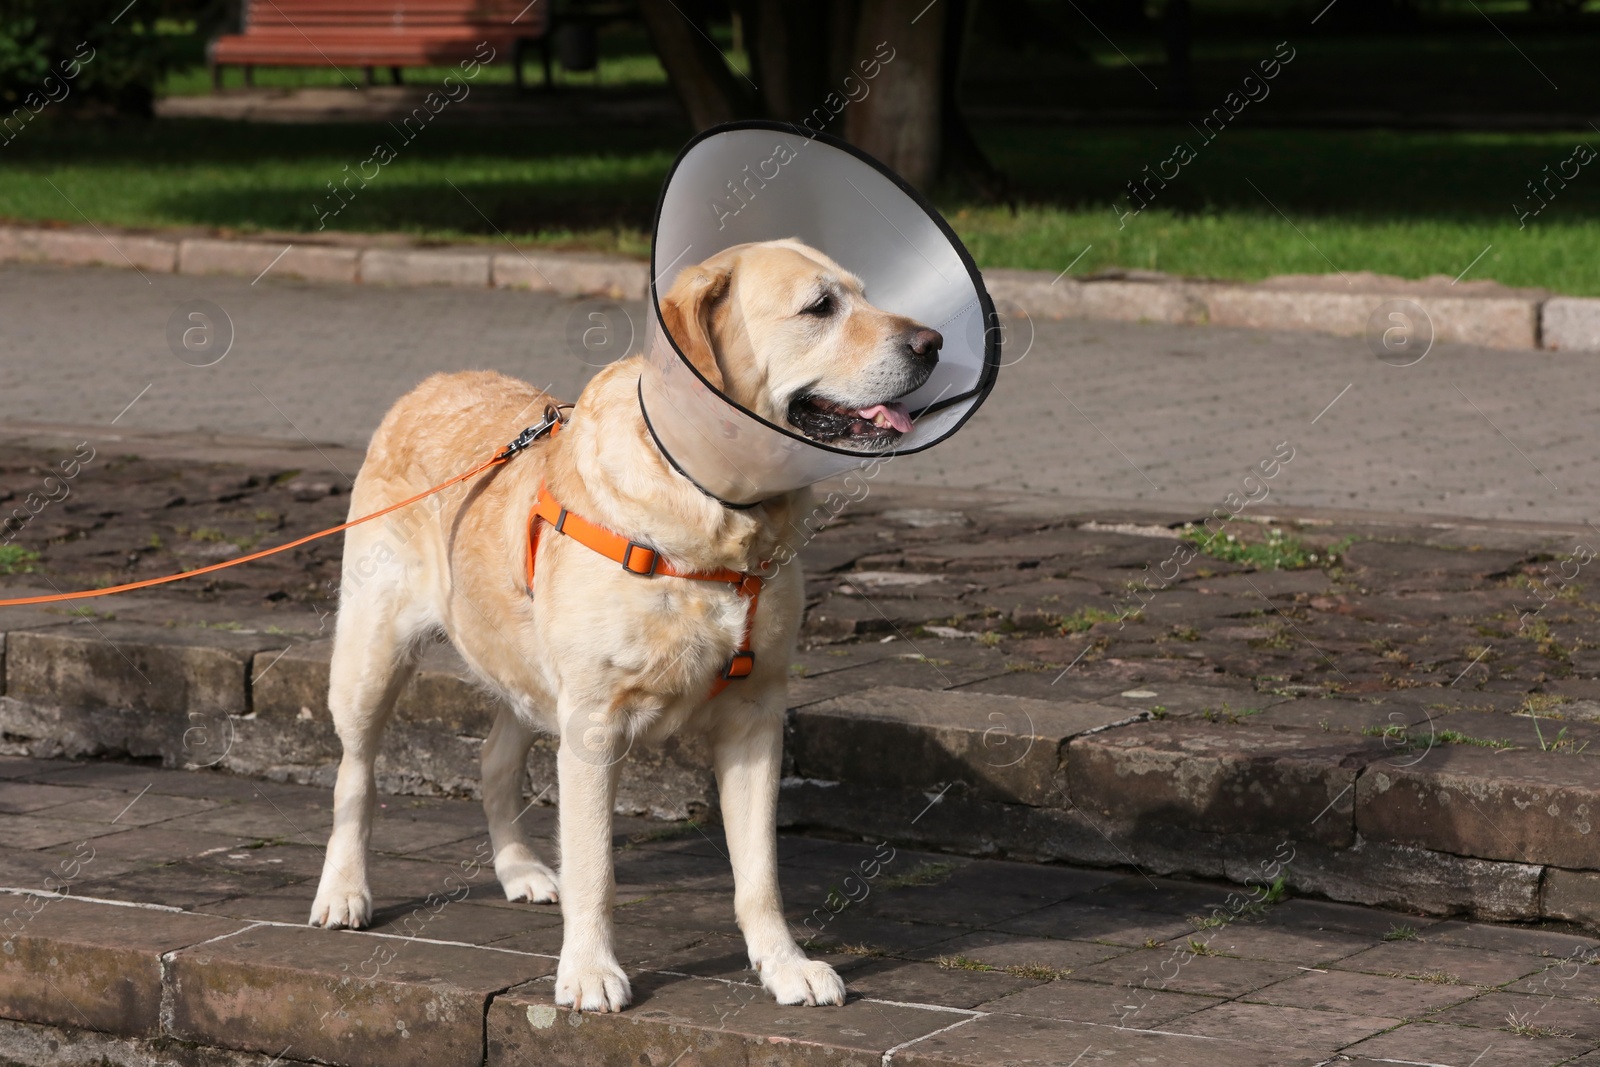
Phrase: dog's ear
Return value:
(687, 309)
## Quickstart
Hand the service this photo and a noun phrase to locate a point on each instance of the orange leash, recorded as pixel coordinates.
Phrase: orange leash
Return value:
(524, 439)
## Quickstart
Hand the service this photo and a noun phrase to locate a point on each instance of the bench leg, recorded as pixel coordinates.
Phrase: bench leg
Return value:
(366, 77)
(516, 64)
(249, 75)
(216, 76)
(544, 47)
(394, 76)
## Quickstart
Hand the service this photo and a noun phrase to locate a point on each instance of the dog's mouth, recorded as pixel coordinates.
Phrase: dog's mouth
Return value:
(829, 421)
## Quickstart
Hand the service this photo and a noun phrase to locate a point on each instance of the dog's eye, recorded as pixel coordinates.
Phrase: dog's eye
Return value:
(822, 308)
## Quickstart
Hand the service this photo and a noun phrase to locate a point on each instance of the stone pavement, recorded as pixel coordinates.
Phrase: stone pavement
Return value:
(1407, 706)
(1010, 654)
(1088, 410)
(156, 916)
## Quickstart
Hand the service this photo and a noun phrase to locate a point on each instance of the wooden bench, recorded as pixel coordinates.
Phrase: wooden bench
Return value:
(381, 33)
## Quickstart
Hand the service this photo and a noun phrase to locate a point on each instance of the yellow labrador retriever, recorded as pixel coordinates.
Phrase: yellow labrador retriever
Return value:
(597, 655)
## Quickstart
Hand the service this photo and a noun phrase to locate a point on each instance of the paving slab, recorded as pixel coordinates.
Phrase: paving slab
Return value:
(349, 999)
(1310, 776)
(93, 966)
(36, 1045)
(1253, 939)
(1029, 1041)
(1188, 967)
(1558, 1016)
(1424, 960)
(1282, 1025)
(1008, 747)
(1362, 994)
(1431, 1042)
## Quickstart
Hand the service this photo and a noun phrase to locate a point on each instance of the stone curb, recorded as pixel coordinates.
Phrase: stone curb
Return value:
(1496, 834)
(1504, 319)
(565, 273)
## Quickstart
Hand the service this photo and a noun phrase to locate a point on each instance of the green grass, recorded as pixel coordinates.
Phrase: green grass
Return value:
(15, 559)
(1278, 551)
(1398, 733)
(1406, 203)
(1456, 737)
(591, 188)
(1229, 714)
(1256, 201)
(1085, 619)
(961, 963)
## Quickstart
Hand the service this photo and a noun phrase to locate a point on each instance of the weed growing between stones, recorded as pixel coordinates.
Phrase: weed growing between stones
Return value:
(1456, 737)
(15, 559)
(921, 874)
(1228, 714)
(1037, 971)
(1432, 977)
(1523, 1026)
(1279, 552)
(961, 963)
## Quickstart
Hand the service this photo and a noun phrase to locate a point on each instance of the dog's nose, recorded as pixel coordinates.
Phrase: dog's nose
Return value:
(925, 344)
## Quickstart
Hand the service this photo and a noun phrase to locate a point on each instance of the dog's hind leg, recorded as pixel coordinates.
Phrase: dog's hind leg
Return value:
(373, 657)
(505, 764)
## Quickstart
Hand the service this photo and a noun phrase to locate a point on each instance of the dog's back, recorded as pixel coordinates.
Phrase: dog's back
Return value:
(442, 427)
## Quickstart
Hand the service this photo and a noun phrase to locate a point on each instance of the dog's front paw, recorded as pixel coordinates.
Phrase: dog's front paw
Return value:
(801, 981)
(526, 879)
(342, 905)
(596, 985)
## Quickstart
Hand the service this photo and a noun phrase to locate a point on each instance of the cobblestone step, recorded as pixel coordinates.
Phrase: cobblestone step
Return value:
(1082, 781)
(161, 922)
(1414, 718)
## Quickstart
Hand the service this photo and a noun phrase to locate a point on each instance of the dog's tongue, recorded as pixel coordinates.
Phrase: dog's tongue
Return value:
(895, 414)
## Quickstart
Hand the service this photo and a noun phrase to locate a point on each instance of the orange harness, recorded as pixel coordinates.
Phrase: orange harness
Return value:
(646, 562)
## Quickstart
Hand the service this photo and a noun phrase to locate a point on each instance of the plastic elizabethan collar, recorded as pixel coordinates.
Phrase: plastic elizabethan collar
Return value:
(762, 181)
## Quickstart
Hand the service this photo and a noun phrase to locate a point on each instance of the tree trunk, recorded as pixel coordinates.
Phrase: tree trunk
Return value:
(899, 121)
(788, 44)
(800, 57)
(709, 89)
(962, 158)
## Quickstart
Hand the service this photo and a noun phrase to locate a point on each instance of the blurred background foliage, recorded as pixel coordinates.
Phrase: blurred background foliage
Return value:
(1401, 138)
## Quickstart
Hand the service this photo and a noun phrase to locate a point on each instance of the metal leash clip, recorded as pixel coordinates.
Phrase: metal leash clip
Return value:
(553, 417)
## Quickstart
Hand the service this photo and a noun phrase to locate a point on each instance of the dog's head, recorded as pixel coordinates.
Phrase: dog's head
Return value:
(788, 334)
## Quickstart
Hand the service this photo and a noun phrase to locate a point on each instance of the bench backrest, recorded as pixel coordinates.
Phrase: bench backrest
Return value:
(391, 15)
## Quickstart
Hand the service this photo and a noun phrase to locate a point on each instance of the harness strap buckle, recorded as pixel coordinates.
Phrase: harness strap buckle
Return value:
(643, 566)
(740, 665)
